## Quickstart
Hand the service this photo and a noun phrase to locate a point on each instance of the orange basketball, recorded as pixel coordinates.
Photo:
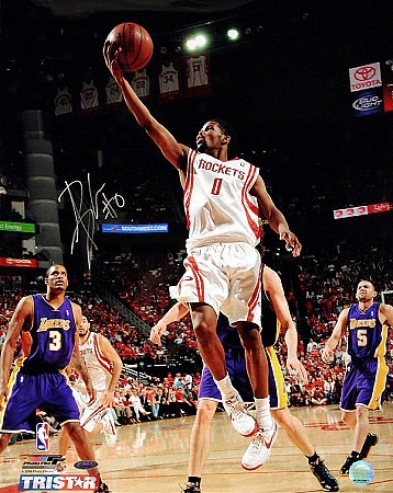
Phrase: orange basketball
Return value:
(135, 43)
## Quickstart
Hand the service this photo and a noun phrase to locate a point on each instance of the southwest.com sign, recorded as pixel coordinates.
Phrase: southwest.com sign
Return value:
(135, 228)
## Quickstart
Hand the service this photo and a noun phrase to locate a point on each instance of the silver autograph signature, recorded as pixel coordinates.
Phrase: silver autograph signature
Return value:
(87, 212)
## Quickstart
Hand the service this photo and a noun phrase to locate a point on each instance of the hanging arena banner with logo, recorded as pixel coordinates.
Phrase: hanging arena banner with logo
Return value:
(368, 91)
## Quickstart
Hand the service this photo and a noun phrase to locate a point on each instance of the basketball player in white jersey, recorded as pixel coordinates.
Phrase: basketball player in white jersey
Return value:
(223, 202)
(104, 366)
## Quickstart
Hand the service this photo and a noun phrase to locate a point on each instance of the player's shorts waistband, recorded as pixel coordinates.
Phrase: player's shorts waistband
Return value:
(39, 371)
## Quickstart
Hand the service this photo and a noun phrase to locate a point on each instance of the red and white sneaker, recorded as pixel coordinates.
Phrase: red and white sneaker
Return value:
(241, 420)
(260, 448)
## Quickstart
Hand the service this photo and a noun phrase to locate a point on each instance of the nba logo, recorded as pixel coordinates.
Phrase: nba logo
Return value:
(42, 436)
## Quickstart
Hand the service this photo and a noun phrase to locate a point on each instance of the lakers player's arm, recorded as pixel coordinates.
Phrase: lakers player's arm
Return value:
(110, 353)
(21, 318)
(387, 314)
(272, 284)
(275, 217)
(173, 151)
(339, 330)
(77, 361)
(175, 313)
(27, 342)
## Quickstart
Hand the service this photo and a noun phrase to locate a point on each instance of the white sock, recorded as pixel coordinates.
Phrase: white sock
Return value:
(264, 417)
(226, 388)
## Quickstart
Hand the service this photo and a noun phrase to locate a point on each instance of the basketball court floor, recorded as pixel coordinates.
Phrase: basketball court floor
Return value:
(152, 457)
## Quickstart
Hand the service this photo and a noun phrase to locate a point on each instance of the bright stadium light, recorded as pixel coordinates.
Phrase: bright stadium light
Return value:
(197, 41)
(233, 34)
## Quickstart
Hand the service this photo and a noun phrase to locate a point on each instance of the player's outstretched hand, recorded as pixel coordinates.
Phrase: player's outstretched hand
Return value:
(110, 52)
(92, 393)
(294, 364)
(156, 333)
(108, 399)
(327, 354)
(292, 243)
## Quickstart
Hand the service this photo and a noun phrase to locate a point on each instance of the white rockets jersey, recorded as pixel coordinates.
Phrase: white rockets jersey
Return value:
(217, 202)
(113, 92)
(197, 71)
(63, 102)
(99, 367)
(168, 79)
(89, 96)
(141, 84)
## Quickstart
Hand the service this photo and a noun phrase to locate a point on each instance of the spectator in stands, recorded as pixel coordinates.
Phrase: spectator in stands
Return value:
(122, 409)
(136, 405)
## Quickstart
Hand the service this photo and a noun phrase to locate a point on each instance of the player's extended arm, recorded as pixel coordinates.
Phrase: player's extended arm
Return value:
(387, 312)
(22, 315)
(272, 284)
(80, 366)
(109, 352)
(175, 313)
(327, 352)
(174, 152)
(77, 361)
(275, 217)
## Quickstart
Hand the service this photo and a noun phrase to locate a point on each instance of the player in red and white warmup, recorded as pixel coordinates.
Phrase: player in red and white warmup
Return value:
(104, 366)
(223, 201)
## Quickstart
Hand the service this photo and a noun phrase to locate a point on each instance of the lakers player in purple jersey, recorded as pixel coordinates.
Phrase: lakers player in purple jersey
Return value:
(224, 200)
(49, 323)
(365, 325)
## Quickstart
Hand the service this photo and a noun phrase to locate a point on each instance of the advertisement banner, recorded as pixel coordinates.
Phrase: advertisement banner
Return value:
(365, 77)
(387, 85)
(18, 262)
(363, 210)
(367, 102)
(14, 227)
(135, 228)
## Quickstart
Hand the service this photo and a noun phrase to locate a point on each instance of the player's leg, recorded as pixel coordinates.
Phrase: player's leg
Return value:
(61, 401)
(204, 287)
(256, 359)
(295, 430)
(85, 452)
(64, 441)
(362, 427)
(204, 322)
(4, 441)
(18, 415)
(378, 372)
(366, 386)
(350, 419)
(200, 444)
(260, 447)
(212, 352)
(82, 445)
(297, 433)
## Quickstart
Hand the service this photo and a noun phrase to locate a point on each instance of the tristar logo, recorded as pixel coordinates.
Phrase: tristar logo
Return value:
(61, 482)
